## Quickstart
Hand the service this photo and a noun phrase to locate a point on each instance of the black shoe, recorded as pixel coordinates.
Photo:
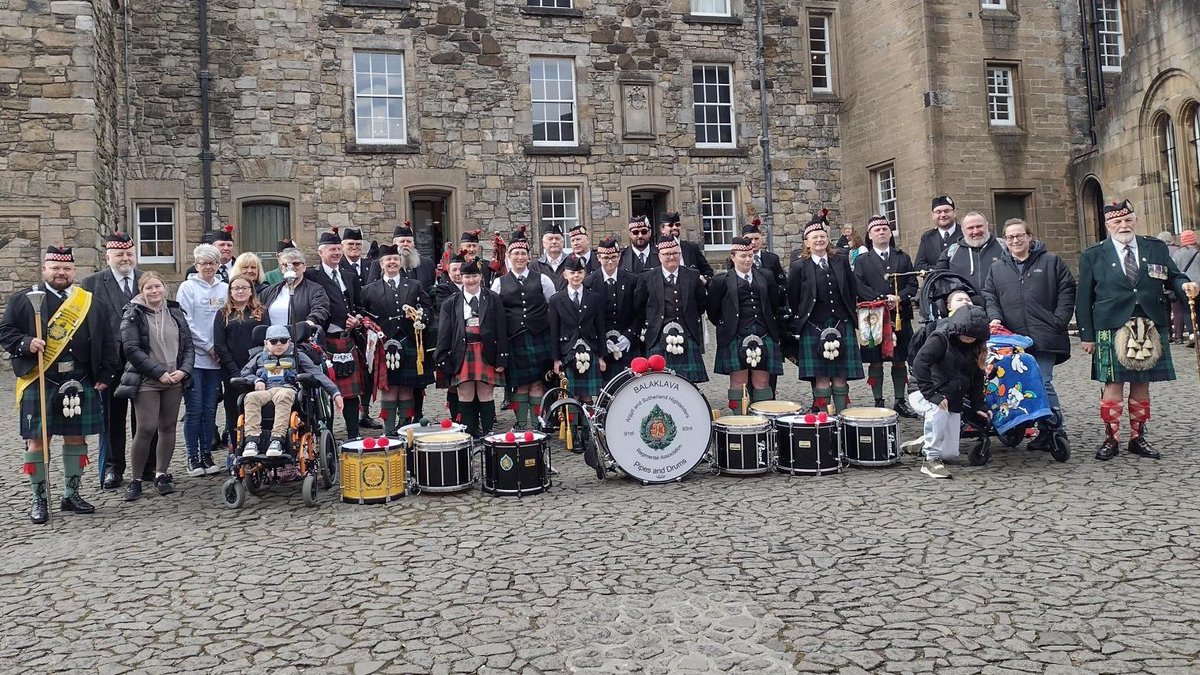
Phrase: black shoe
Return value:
(368, 423)
(904, 410)
(1044, 441)
(1139, 446)
(879, 403)
(165, 484)
(134, 491)
(76, 504)
(40, 513)
(210, 467)
(112, 479)
(1108, 450)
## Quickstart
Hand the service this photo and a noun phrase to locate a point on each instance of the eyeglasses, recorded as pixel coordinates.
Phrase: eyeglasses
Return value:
(639, 230)
(279, 341)
(239, 288)
(1015, 237)
(291, 264)
(206, 264)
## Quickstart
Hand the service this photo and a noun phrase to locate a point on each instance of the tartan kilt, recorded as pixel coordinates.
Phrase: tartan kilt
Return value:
(89, 422)
(813, 364)
(529, 357)
(350, 385)
(729, 357)
(690, 365)
(1106, 368)
(406, 376)
(585, 384)
(476, 369)
(900, 353)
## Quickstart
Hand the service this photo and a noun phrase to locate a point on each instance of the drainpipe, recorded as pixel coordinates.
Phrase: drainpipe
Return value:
(206, 156)
(1087, 69)
(765, 138)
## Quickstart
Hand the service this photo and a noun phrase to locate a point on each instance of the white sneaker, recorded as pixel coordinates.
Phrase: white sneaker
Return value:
(275, 449)
(251, 449)
(934, 468)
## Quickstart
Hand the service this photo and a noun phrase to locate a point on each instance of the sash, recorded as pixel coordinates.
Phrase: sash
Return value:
(59, 331)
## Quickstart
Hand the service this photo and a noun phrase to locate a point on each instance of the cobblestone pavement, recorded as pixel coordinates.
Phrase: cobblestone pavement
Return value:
(1022, 565)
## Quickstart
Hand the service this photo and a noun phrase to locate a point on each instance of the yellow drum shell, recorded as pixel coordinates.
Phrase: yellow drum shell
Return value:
(374, 476)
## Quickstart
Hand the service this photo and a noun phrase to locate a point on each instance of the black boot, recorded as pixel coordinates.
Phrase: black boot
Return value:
(1109, 449)
(1046, 430)
(73, 502)
(40, 512)
(487, 416)
(1139, 446)
(904, 410)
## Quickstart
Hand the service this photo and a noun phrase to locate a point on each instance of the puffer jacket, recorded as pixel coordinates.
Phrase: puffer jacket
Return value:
(1037, 302)
(972, 262)
(135, 340)
(947, 368)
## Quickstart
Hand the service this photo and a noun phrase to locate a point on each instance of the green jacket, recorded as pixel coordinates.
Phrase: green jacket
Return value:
(274, 277)
(1106, 299)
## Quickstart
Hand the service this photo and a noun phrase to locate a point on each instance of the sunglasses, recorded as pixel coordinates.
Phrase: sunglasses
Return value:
(279, 341)
(639, 230)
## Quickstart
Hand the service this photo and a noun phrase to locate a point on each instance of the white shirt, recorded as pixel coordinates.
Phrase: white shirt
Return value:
(392, 282)
(279, 309)
(747, 277)
(882, 252)
(822, 259)
(337, 277)
(667, 275)
(1121, 252)
(548, 289)
(575, 294)
(120, 280)
(355, 265)
(467, 297)
(608, 278)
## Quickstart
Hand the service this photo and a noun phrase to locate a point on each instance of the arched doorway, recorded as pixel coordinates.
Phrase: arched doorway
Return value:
(1091, 208)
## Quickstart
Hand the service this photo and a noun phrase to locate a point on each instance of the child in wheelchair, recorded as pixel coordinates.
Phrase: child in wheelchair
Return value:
(276, 371)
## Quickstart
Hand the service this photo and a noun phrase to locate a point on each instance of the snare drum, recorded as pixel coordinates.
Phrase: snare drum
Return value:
(442, 462)
(869, 436)
(517, 467)
(773, 410)
(742, 444)
(372, 475)
(807, 448)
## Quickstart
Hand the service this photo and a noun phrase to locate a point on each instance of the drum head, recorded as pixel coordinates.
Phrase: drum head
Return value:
(799, 422)
(775, 407)
(876, 415)
(730, 421)
(357, 444)
(447, 437)
(497, 439)
(658, 427)
(419, 429)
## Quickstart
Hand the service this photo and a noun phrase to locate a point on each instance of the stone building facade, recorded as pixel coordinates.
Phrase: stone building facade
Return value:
(1146, 118)
(490, 114)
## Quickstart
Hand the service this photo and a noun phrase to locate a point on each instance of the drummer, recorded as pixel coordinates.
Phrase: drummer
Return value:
(445, 288)
(472, 349)
(823, 295)
(397, 303)
(673, 298)
(872, 269)
(615, 287)
(744, 303)
(577, 332)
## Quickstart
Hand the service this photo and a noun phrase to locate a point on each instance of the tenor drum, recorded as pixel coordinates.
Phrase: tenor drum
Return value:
(742, 444)
(372, 475)
(442, 462)
(807, 446)
(869, 436)
(773, 410)
(656, 426)
(518, 467)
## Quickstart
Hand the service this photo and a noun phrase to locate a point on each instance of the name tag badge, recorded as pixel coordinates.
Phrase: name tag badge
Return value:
(65, 366)
(473, 322)
(1157, 271)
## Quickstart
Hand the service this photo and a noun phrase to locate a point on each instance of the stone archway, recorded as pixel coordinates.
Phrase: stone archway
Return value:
(1091, 211)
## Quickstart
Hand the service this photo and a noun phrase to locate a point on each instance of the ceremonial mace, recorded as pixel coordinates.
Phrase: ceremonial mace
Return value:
(35, 300)
(1195, 341)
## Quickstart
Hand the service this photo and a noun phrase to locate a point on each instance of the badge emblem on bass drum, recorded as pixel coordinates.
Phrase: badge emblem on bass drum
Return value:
(658, 429)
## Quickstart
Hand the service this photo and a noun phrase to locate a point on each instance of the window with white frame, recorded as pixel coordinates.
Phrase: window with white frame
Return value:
(885, 194)
(1112, 39)
(718, 216)
(711, 7)
(994, 4)
(552, 91)
(712, 105)
(155, 231)
(820, 53)
(553, 4)
(559, 206)
(379, 115)
(1169, 172)
(1001, 96)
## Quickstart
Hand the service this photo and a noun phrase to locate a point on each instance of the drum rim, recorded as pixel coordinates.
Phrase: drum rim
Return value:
(602, 422)
(429, 439)
(538, 436)
(815, 424)
(848, 415)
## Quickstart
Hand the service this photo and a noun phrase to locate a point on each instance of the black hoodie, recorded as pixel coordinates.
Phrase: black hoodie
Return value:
(947, 368)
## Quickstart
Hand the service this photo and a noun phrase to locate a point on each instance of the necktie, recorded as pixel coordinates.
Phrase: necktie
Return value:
(575, 298)
(521, 281)
(474, 305)
(884, 255)
(395, 283)
(612, 283)
(1131, 266)
(128, 289)
(824, 265)
(642, 260)
(757, 261)
(671, 280)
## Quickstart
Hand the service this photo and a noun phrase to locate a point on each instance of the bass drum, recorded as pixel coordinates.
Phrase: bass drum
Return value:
(657, 426)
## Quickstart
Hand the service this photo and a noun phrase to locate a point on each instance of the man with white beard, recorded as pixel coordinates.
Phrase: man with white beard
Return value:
(1122, 315)
(973, 254)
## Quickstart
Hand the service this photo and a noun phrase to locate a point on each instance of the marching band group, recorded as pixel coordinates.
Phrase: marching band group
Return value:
(471, 325)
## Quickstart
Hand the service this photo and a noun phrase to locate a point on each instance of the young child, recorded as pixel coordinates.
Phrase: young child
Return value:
(276, 369)
(948, 368)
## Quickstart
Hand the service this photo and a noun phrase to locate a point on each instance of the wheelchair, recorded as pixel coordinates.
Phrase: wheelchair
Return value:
(309, 445)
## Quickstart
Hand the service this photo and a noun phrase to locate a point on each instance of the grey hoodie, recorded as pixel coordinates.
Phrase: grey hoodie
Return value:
(201, 301)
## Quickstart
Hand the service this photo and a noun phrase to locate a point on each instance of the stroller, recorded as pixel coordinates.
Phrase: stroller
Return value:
(1014, 390)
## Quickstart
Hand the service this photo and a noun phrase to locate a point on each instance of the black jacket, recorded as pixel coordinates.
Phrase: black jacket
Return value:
(425, 273)
(870, 271)
(452, 332)
(650, 296)
(692, 256)
(972, 262)
(771, 264)
(135, 341)
(309, 302)
(104, 288)
(724, 310)
(568, 324)
(933, 246)
(341, 305)
(386, 307)
(233, 341)
(630, 264)
(1037, 302)
(802, 288)
(628, 313)
(93, 342)
(945, 368)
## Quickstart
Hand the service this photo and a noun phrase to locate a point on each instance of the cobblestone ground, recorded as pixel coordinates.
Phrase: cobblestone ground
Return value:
(1021, 565)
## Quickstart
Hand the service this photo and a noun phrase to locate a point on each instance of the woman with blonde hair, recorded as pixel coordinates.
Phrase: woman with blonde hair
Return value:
(249, 266)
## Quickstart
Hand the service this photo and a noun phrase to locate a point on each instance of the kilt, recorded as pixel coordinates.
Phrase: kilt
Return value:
(584, 384)
(406, 376)
(349, 384)
(875, 354)
(729, 357)
(813, 364)
(475, 368)
(690, 365)
(529, 357)
(1106, 368)
(89, 422)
